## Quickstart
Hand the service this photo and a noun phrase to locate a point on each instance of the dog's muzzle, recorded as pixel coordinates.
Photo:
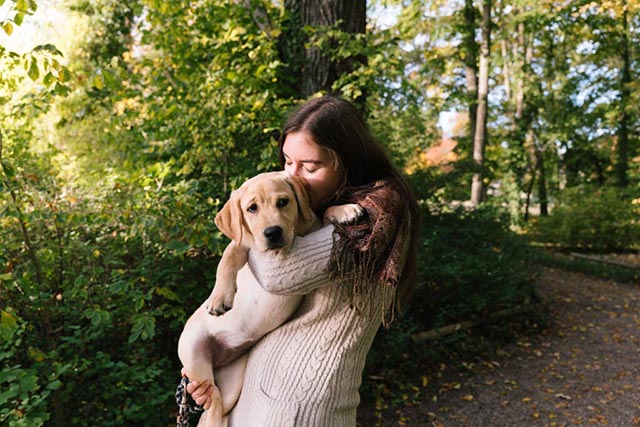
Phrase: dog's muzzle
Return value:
(274, 236)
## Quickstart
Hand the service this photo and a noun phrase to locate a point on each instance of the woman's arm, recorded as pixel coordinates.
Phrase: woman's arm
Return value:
(302, 269)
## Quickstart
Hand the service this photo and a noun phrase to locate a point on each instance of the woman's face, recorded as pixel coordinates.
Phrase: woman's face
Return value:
(306, 159)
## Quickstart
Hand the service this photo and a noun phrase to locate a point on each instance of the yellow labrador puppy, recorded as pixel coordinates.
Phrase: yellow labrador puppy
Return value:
(264, 214)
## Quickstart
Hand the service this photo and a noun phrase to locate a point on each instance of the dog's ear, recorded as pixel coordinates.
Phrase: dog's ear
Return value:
(229, 219)
(306, 216)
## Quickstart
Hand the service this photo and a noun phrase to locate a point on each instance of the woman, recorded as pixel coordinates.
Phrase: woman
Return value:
(308, 371)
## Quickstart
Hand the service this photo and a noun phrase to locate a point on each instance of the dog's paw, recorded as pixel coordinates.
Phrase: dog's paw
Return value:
(343, 214)
(219, 302)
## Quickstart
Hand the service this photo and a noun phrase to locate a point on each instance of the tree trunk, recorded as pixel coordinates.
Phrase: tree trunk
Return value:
(622, 154)
(506, 69)
(480, 134)
(527, 203)
(310, 69)
(524, 68)
(470, 59)
(542, 183)
(524, 111)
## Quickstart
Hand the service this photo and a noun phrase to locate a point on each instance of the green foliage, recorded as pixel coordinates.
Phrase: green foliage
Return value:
(16, 13)
(472, 264)
(28, 85)
(115, 158)
(212, 106)
(593, 219)
(102, 314)
(107, 233)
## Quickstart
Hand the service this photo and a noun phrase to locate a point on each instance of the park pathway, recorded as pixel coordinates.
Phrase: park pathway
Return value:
(582, 370)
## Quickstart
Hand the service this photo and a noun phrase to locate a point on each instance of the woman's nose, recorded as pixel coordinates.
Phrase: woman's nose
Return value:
(295, 170)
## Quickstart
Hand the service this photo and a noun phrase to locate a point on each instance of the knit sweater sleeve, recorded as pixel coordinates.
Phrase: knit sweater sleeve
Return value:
(300, 270)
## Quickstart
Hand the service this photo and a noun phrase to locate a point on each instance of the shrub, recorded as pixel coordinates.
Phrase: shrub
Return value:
(595, 219)
(471, 265)
(89, 319)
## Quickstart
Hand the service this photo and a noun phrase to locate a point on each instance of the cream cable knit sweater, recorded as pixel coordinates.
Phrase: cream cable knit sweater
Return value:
(307, 372)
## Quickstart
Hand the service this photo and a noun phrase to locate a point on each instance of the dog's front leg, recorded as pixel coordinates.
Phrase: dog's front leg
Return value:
(213, 417)
(221, 299)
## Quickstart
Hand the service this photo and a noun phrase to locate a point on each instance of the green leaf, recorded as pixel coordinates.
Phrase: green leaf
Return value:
(178, 246)
(29, 383)
(109, 79)
(12, 392)
(36, 354)
(8, 169)
(48, 79)
(51, 48)
(8, 325)
(166, 293)
(18, 18)
(8, 28)
(98, 317)
(34, 71)
(144, 328)
(64, 75)
(98, 81)
(61, 89)
(22, 5)
(54, 385)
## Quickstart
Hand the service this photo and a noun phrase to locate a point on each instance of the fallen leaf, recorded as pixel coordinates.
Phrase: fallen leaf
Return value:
(563, 396)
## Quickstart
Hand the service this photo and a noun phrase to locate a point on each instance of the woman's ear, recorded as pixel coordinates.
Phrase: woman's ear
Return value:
(306, 216)
(229, 218)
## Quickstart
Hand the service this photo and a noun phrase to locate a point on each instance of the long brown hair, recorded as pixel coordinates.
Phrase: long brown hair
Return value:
(337, 126)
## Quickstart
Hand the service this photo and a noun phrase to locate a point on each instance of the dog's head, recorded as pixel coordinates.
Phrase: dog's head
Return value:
(267, 211)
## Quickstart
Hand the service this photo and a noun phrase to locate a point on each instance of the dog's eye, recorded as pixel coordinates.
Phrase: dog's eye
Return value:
(253, 208)
(281, 203)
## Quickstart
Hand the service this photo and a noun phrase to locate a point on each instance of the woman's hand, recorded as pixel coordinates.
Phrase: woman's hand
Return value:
(201, 393)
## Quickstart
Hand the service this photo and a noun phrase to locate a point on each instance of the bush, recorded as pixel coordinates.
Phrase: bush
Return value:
(471, 265)
(90, 317)
(594, 219)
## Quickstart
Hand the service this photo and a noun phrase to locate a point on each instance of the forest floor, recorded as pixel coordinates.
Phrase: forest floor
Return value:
(581, 369)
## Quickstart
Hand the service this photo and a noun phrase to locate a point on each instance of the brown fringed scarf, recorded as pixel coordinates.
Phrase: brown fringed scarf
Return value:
(373, 250)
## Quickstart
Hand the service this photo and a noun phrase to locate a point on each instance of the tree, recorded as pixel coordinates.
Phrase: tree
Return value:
(480, 133)
(622, 148)
(319, 70)
(469, 52)
(603, 64)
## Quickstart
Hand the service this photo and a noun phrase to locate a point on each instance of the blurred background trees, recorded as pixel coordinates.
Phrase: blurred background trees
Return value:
(125, 125)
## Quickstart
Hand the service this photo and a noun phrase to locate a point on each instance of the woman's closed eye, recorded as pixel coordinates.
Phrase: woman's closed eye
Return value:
(310, 168)
(308, 165)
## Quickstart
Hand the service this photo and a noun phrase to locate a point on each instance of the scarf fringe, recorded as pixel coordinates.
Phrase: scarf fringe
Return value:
(371, 253)
(350, 265)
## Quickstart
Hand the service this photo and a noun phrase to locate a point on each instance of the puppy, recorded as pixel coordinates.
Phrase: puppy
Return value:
(264, 214)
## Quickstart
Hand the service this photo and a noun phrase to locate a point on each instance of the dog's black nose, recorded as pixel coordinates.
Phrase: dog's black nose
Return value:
(273, 233)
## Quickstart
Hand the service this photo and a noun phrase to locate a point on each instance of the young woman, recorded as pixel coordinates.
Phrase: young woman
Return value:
(308, 372)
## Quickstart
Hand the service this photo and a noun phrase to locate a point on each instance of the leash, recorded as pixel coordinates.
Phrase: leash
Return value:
(186, 404)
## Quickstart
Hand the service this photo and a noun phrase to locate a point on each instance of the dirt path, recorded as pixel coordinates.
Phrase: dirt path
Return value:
(583, 370)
